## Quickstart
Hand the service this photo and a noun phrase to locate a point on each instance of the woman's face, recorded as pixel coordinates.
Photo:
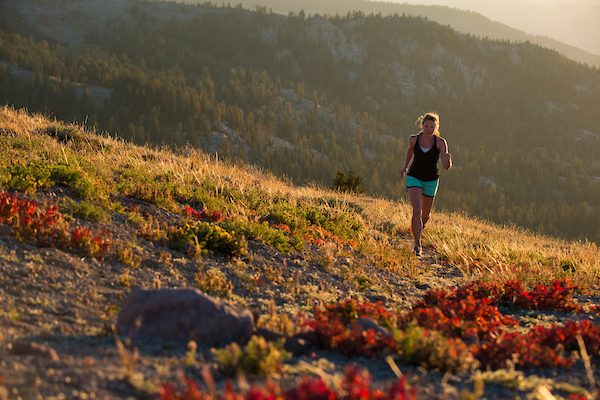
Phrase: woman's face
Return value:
(429, 127)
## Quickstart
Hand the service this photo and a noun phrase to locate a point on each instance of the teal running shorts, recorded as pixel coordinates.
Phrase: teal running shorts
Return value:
(429, 187)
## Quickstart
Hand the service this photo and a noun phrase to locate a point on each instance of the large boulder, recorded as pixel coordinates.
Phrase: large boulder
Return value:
(181, 315)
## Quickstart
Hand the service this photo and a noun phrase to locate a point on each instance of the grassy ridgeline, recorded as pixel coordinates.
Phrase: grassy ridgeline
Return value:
(38, 154)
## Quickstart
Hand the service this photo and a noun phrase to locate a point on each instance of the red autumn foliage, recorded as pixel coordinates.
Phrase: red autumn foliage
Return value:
(95, 244)
(459, 314)
(541, 346)
(47, 227)
(26, 216)
(282, 227)
(556, 296)
(578, 396)
(469, 316)
(356, 385)
(204, 215)
(319, 236)
(338, 326)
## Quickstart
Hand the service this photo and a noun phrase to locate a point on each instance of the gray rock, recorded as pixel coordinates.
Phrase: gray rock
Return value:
(181, 315)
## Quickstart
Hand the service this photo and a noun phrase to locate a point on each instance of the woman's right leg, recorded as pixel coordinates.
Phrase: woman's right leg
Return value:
(417, 208)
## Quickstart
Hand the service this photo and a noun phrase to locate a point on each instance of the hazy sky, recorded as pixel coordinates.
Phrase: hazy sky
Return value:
(575, 22)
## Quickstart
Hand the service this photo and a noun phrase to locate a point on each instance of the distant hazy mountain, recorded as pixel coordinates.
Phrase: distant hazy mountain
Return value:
(461, 20)
(576, 22)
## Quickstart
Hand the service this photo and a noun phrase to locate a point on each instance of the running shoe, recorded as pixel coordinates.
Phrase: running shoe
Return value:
(417, 250)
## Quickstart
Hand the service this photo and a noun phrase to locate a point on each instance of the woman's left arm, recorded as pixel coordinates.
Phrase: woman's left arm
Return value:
(445, 154)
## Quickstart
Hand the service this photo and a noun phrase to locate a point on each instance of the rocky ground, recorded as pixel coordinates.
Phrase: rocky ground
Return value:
(59, 312)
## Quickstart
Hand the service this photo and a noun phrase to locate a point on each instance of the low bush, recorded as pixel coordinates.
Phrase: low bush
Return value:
(455, 330)
(46, 226)
(431, 349)
(275, 237)
(203, 236)
(87, 210)
(258, 357)
(214, 282)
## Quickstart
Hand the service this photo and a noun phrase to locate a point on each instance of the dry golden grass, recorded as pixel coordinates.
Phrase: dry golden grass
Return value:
(489, 251)
(482, 250)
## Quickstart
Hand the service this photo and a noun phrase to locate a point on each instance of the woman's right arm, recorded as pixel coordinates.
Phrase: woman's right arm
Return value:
(410, 152)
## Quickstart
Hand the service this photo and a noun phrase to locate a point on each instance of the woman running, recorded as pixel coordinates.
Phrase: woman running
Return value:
(424, 149)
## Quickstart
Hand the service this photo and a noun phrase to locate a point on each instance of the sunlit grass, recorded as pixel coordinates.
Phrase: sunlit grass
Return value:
(488, 251)
(171, 178)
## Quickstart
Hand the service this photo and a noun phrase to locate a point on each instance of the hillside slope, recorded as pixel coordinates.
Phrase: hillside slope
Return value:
(306, 96)
(132, 216)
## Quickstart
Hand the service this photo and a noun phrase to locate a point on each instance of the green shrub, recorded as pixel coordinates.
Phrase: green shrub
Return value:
(264, 233)
(258, 357)
(30, 177)
(21, 144)
(27, 178)
(347, 183)
(63, 133)
(255, 199)
(134, 217)
(129, 254)
(87, 211)
(67, 176)
(206, 236)
(287, 214)
(300, 217)
(209, 196)
(431, 349)
(214, 282)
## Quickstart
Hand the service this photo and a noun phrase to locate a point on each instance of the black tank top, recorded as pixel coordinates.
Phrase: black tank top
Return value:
(425, 164)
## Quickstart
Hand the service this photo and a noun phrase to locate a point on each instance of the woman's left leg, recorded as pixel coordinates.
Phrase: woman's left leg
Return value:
(427, 205)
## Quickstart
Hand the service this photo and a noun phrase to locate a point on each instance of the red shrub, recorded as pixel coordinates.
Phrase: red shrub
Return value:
(461, 313)
(318, 235)
(356, 385)
(47, 227)
(556, 296)
(339, 326)
(469, 313)
(26, 216)
(204, 215)
(520, 349)
(95, 244)
(541, 346)
(311, 389)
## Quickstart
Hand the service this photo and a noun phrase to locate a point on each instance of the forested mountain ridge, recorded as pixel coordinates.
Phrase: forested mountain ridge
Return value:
(307, 95)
